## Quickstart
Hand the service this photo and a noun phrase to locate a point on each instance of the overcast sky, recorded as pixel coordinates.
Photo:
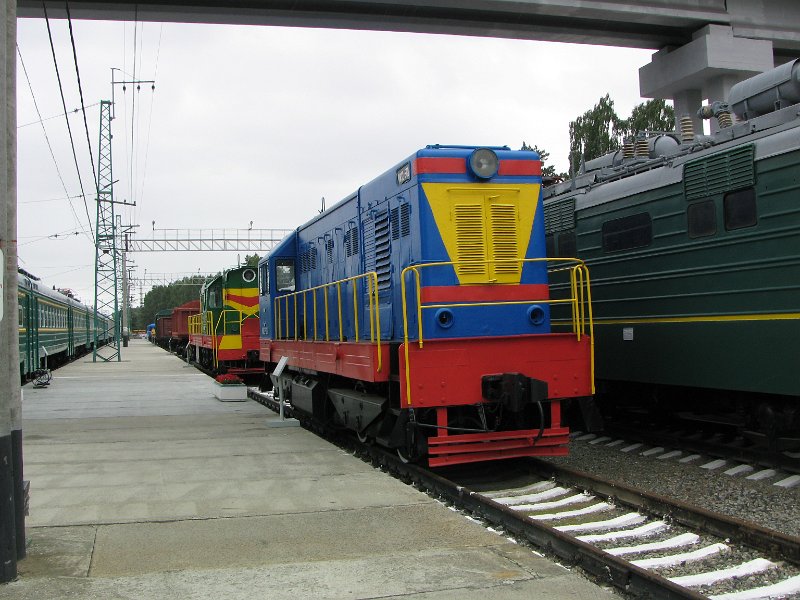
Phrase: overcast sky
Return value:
(259, 123)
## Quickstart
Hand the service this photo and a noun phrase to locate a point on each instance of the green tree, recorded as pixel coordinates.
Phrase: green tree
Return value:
(165, 296)
(594, 133)
(653, 115)
(600, 130)
(251, 260)
(547, 170)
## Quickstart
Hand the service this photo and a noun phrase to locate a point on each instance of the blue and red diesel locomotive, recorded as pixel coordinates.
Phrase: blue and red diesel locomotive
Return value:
(416, 312)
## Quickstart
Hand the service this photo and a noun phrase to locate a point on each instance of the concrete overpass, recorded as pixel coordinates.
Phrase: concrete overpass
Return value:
(644, 24)
(704, 46)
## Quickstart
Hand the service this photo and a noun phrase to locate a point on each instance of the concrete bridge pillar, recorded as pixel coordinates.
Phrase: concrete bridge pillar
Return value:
(704, 69)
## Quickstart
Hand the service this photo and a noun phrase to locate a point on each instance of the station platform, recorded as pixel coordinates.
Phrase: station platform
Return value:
(144, 486)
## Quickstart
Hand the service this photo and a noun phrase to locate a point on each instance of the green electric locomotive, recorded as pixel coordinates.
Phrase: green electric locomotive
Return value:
(694, 247)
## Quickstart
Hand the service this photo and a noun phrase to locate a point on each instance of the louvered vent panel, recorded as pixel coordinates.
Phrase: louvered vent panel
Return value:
(504, 237)
(694, 181)
(470, 240)
(405, 220)
(718, 174)
(742, 168)
(329, 250)
(559, 216)
(369, 244)
(383, 259)
(351, 242)
(395, 223)
(308, 259)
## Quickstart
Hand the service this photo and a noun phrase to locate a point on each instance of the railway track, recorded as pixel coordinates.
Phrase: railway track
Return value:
(731, 454)
(713, 439)
(645, 545)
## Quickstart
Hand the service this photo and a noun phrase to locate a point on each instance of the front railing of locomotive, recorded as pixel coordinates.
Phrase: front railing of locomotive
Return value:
(577, 300)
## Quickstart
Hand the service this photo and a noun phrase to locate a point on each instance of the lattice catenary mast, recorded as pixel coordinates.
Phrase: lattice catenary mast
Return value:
(106, 298)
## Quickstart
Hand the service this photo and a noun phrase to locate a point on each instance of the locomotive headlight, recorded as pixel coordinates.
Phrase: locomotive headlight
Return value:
(483, 163)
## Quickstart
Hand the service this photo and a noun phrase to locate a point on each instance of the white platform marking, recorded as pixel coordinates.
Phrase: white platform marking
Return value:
(643, 531)
(623, 521)
(676, 559)
(599, 507)
(685, 539)
(759, 565)
(779, 590)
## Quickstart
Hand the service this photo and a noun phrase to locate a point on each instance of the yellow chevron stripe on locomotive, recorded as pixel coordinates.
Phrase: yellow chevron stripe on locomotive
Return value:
(484, 223)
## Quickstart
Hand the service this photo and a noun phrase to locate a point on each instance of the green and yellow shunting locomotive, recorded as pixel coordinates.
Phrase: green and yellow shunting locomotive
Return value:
(694, 247)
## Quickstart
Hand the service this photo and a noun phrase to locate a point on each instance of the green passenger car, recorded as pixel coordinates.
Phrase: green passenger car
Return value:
(53, 326)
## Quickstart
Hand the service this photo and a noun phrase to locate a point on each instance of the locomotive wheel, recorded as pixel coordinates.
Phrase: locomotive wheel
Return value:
(363, 437)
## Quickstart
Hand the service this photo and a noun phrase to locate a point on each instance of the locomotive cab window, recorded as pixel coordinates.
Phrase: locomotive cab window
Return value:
(701, 219)
(740, 209)
(214, 299)
(284, 275)
(263, 279)
(634, 231)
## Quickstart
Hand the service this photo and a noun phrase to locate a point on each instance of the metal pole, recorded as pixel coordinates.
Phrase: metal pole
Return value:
(10, 409)
(125, 301)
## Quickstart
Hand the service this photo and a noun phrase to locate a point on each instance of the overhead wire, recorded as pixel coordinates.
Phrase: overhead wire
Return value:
(42, 200)
(133, 106)
(69, 129)
(149, 124)
(80, 89)
(50, 147)
(58, 116)
(51, 236)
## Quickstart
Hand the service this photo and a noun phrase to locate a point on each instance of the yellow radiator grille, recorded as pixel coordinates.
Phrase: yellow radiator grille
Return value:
(504, 223)
(486, 229)
(471, 243)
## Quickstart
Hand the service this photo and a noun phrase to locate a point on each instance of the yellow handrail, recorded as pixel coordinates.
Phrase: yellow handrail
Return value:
(194, 324)
(281, 304)
(580, 300)
(223, 321)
